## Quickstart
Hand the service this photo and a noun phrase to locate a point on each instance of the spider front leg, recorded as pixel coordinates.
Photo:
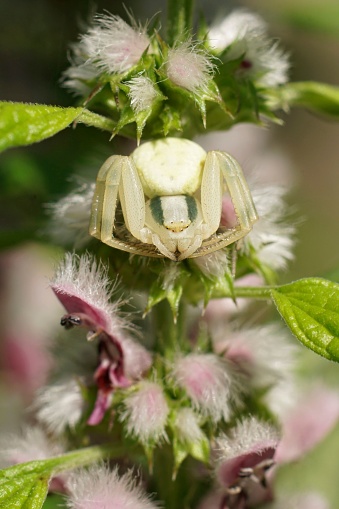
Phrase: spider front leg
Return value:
(220, 167)
(118, 175)
(99, 194)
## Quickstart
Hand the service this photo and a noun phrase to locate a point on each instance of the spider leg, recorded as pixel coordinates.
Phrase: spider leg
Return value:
(230, 171)
(238, 189)
(118, 175)
(112, 163)
(132, 198)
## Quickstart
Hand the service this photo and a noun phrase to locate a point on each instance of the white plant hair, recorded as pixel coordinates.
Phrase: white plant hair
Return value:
(189, 66)
(248, 435)
(272, 236)
(100, 488)
(245, 33)
(141, 93)
(214, 264)
(239, 25)
(112, 45)
(79, 72)
(70, 217)
(59, 406)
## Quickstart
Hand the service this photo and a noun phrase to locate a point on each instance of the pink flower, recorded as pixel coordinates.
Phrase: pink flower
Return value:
(100, 488)
(246, 455)
(244, 458)
(82, 286)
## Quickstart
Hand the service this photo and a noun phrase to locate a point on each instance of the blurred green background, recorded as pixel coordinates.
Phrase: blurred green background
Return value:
(34, 39)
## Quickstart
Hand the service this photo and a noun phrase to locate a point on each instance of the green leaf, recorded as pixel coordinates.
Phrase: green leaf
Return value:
(25, 486)
(23, 124)
(26, 493)
(310, 308)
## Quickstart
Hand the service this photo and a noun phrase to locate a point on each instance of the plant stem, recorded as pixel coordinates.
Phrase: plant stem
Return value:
(167, 330)
(87, 456)
(179, 19)
(247, 292)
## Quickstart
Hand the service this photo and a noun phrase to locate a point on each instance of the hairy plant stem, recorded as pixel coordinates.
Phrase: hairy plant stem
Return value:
(246, 292)
(179, 20)
(170, 333)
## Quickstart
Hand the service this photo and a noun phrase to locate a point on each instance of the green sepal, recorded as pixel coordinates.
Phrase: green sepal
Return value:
(310, 308)
(171, 120)
(249, 259)
(199, 450)
(210, 285)
(172, 292)
(128, 115)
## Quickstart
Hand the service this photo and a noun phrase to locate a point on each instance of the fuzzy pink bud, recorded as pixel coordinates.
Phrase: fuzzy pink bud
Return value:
(146, 412)
(189, 67)
(207, 380)
(112, 45)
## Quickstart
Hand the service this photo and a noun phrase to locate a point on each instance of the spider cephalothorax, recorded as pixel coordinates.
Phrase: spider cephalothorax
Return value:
(171, 192)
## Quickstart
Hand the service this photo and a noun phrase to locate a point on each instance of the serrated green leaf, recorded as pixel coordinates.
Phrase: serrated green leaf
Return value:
(26, 490)
(310, 308)
(23, 124)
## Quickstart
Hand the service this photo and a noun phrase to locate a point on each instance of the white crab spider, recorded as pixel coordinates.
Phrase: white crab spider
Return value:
(170, 193)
